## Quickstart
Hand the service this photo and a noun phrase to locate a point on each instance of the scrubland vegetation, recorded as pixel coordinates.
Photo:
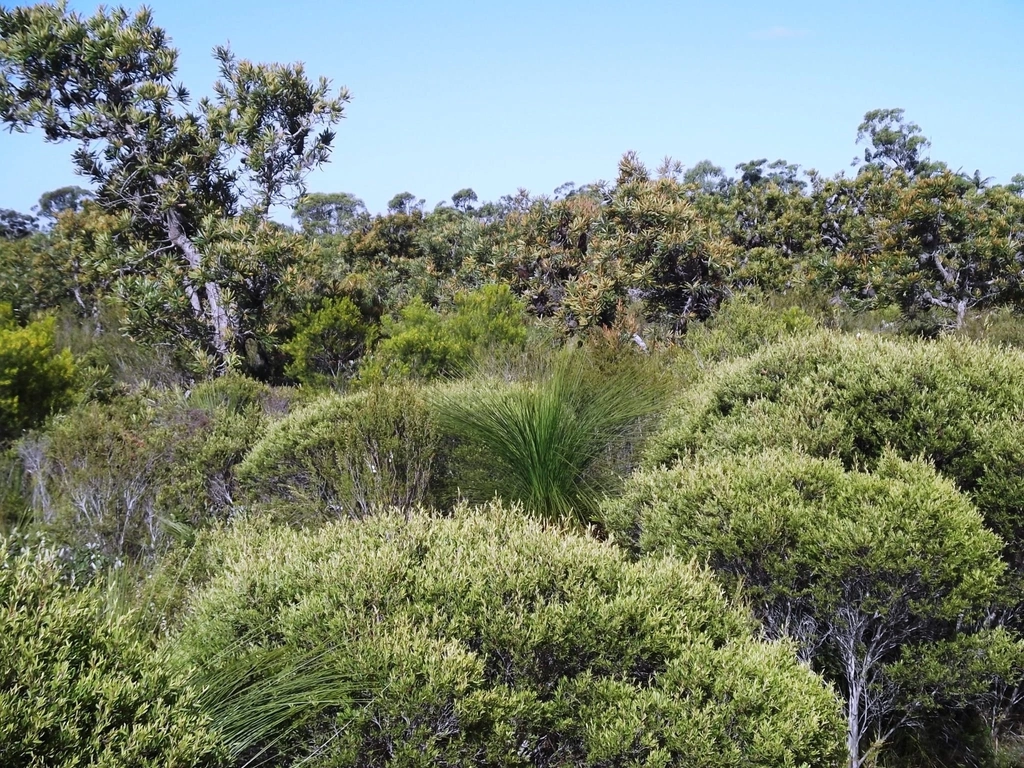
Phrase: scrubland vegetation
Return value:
(679, 469)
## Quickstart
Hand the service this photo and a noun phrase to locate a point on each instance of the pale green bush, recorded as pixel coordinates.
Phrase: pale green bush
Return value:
(959, 404)
(489, 639)
(742, 325)
(347, 455)
(868, 571)
(81, 687)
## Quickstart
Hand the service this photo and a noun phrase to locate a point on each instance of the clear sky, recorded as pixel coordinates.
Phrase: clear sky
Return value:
(497, 96)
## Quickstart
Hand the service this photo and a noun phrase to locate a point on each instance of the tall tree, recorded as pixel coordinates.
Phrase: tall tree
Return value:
(107, 83)
(330, 213)
(894, 144)
(55, 202)
(15, 225)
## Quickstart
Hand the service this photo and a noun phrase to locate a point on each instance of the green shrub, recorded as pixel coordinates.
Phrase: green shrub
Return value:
(554, 445)
(426, 344)
(80, 687)
(743, 325)
(957, 403)
(865, 570)
(113, 480)
(329, 343)
(35, 378)
(348, 454)
(488, 639)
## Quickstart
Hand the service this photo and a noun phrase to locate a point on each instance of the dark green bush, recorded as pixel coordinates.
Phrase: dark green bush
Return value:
(329, 343)
(347, 455)
(959, 404)
(866, 570)
(79, 686)
(35, 378)
(488, 639)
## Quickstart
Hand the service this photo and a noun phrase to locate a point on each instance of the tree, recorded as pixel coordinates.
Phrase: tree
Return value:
(463, 200)
(708, 177)
(863, 570)
(107, 83)
(1016, 185)
(894, 144)
(53, 203)
(933, 246)
(15, 225)
(406, 203)
(948, 247)
(755, 172)
(333, 213)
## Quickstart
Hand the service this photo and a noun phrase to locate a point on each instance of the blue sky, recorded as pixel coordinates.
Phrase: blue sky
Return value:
(498, 96)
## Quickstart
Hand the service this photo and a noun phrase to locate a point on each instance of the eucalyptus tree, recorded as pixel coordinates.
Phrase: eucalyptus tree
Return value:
(171, 168)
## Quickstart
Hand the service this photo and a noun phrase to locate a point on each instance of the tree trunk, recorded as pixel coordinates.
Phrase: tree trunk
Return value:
(216, 313)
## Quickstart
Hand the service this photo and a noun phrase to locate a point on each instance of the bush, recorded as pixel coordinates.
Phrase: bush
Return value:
(329, 343)
(956, 403)
(348, 454)
(35, 379)
(425, 344)
(111, 480)
(865, 570)
(79, 685)
(488, 639)
(557, 444)
(743, 325)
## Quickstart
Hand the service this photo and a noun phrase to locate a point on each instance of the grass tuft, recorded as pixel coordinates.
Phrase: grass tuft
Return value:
(555, 445)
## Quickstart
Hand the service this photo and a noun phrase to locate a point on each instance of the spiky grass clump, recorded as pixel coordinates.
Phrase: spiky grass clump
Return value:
(557, 444)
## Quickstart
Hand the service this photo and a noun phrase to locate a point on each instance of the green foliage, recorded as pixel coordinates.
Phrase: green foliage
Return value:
(744, 324)
(426, 344)
(863, 569)
(328, 343)
(114, 480)
(81, 686)
(35, 378)
(490, 639)
(955, 403)
(348, 455)
(557, 444)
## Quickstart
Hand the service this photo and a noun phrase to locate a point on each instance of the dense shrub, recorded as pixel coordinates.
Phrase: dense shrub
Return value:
(35, 378)
(347, 454)
(743, 325)
(425, 344)
(80, 687)
(487, 639)
(958, 404)
(329, 343)
(865, 570)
